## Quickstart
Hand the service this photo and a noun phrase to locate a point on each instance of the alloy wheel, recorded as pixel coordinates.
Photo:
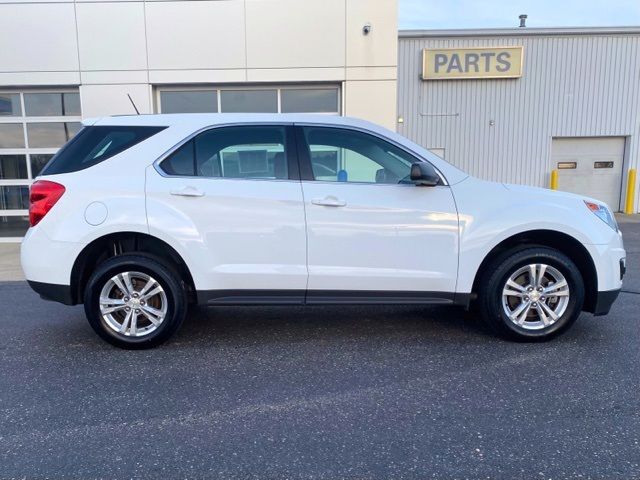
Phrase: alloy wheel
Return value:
(535, 296)
(133, 304)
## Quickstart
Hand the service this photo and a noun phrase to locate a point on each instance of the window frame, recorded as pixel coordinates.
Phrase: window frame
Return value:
(304, 155)
(291, 152)
(278, 87)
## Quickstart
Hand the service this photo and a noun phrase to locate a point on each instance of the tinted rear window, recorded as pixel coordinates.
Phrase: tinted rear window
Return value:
(94, 145)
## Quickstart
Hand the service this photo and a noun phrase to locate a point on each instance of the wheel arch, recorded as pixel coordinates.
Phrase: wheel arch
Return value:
(564, 243)
(115, 244)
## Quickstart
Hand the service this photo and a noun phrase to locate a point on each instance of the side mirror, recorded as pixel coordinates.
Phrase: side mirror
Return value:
(422, 173)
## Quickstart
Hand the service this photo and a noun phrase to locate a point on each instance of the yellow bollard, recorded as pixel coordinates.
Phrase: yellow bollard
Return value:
(631, 191)
(554, 180)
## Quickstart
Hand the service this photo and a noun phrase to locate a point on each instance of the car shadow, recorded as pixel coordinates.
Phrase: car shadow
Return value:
(52, 326)
(330, 323)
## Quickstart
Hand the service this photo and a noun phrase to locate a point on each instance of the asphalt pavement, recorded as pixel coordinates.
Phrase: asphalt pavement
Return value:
(319, 392)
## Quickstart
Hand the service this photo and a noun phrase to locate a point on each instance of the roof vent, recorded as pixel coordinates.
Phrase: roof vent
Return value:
(523, 20)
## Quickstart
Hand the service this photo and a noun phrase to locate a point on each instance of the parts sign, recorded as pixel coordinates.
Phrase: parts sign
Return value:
(461, 63)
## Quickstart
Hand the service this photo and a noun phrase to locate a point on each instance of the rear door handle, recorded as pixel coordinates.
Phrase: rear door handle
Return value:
(187, 192)
(329, 201)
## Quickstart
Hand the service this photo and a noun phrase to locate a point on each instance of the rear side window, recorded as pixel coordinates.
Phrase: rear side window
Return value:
(255, 152)
(96, 144)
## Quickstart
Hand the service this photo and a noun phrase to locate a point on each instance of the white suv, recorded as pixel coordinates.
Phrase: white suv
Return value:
(139, 216)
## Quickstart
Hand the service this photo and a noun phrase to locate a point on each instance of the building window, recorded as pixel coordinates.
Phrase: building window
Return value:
(10, 104)
(306, 100)
(34, 124)
(249, 101)
(52, 104)
(189, 101)
(285, 99)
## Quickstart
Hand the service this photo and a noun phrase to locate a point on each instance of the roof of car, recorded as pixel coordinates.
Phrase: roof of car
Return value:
(198, 120)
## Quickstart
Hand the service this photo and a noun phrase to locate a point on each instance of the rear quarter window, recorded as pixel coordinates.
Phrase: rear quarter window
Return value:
(93, 145)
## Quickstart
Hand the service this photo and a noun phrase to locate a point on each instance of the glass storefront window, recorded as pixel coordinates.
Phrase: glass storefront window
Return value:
(13, 226)
(71, 105)
(50, 134)
(46, 135)
(34, 124)
(189, 101)
(52, 104)
(14, 197)
(254, 101)
(309, 100)
(229, 99)
(10, 105)
(13, 167)
(11, 135)
(38, 161)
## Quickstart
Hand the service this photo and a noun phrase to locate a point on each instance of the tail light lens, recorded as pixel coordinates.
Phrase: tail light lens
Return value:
(42, 197)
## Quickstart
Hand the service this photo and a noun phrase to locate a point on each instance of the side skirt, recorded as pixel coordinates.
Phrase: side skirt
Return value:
(328, 297)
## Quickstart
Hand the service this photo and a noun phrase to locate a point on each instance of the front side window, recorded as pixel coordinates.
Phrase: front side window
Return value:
(232, 152)
(341, 155)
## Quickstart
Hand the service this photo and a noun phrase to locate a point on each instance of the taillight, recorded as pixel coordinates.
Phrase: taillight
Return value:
(43, 196)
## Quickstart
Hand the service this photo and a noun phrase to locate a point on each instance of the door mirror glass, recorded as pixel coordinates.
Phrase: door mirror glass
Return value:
(422, 173)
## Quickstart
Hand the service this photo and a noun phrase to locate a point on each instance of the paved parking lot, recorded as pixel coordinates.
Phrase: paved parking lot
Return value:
(402, 392)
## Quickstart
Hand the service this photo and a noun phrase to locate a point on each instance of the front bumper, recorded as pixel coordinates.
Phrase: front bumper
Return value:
(604, 301)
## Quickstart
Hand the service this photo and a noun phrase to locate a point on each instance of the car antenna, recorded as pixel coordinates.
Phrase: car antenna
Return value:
(134, 105)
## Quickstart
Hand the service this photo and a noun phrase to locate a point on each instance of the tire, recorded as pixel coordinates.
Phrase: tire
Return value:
(146, 305)
(503, 305)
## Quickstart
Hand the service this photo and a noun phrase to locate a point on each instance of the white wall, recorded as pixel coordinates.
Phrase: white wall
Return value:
(119, 47)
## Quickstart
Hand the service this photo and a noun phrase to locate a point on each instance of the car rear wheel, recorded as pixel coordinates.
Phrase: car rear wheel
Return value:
(133, 301)
(533, 293)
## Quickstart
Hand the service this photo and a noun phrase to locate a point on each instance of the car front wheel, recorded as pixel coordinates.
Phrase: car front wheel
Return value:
(133, 301)
(531, 294)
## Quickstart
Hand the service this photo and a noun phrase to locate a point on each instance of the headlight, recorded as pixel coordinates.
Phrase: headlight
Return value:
(603, 213)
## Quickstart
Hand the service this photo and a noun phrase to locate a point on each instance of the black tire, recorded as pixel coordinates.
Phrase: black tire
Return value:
(495, 276)
(169, 280)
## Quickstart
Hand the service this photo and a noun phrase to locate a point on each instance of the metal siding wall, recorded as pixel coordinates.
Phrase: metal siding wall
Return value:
(572, 86)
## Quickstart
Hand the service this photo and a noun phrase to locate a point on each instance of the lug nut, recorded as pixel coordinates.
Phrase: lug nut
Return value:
(534, 305)
(137, 310)
(141, 302)
(542, 298)
(126, 299)
(530, 289)
(526, 297)
(135, 295)
(127, 309)
(540, 289)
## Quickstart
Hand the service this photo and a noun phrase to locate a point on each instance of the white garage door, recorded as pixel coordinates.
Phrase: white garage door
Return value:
(590, 166)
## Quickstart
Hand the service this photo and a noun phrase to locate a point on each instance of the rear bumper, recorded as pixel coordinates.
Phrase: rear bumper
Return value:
(52, 291)
(45, 260)
(604, 301)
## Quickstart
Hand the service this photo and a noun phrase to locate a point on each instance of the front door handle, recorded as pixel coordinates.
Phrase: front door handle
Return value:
(329, 201)
(187, 192)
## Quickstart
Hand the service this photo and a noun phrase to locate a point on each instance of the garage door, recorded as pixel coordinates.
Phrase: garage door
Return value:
(590, 166)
